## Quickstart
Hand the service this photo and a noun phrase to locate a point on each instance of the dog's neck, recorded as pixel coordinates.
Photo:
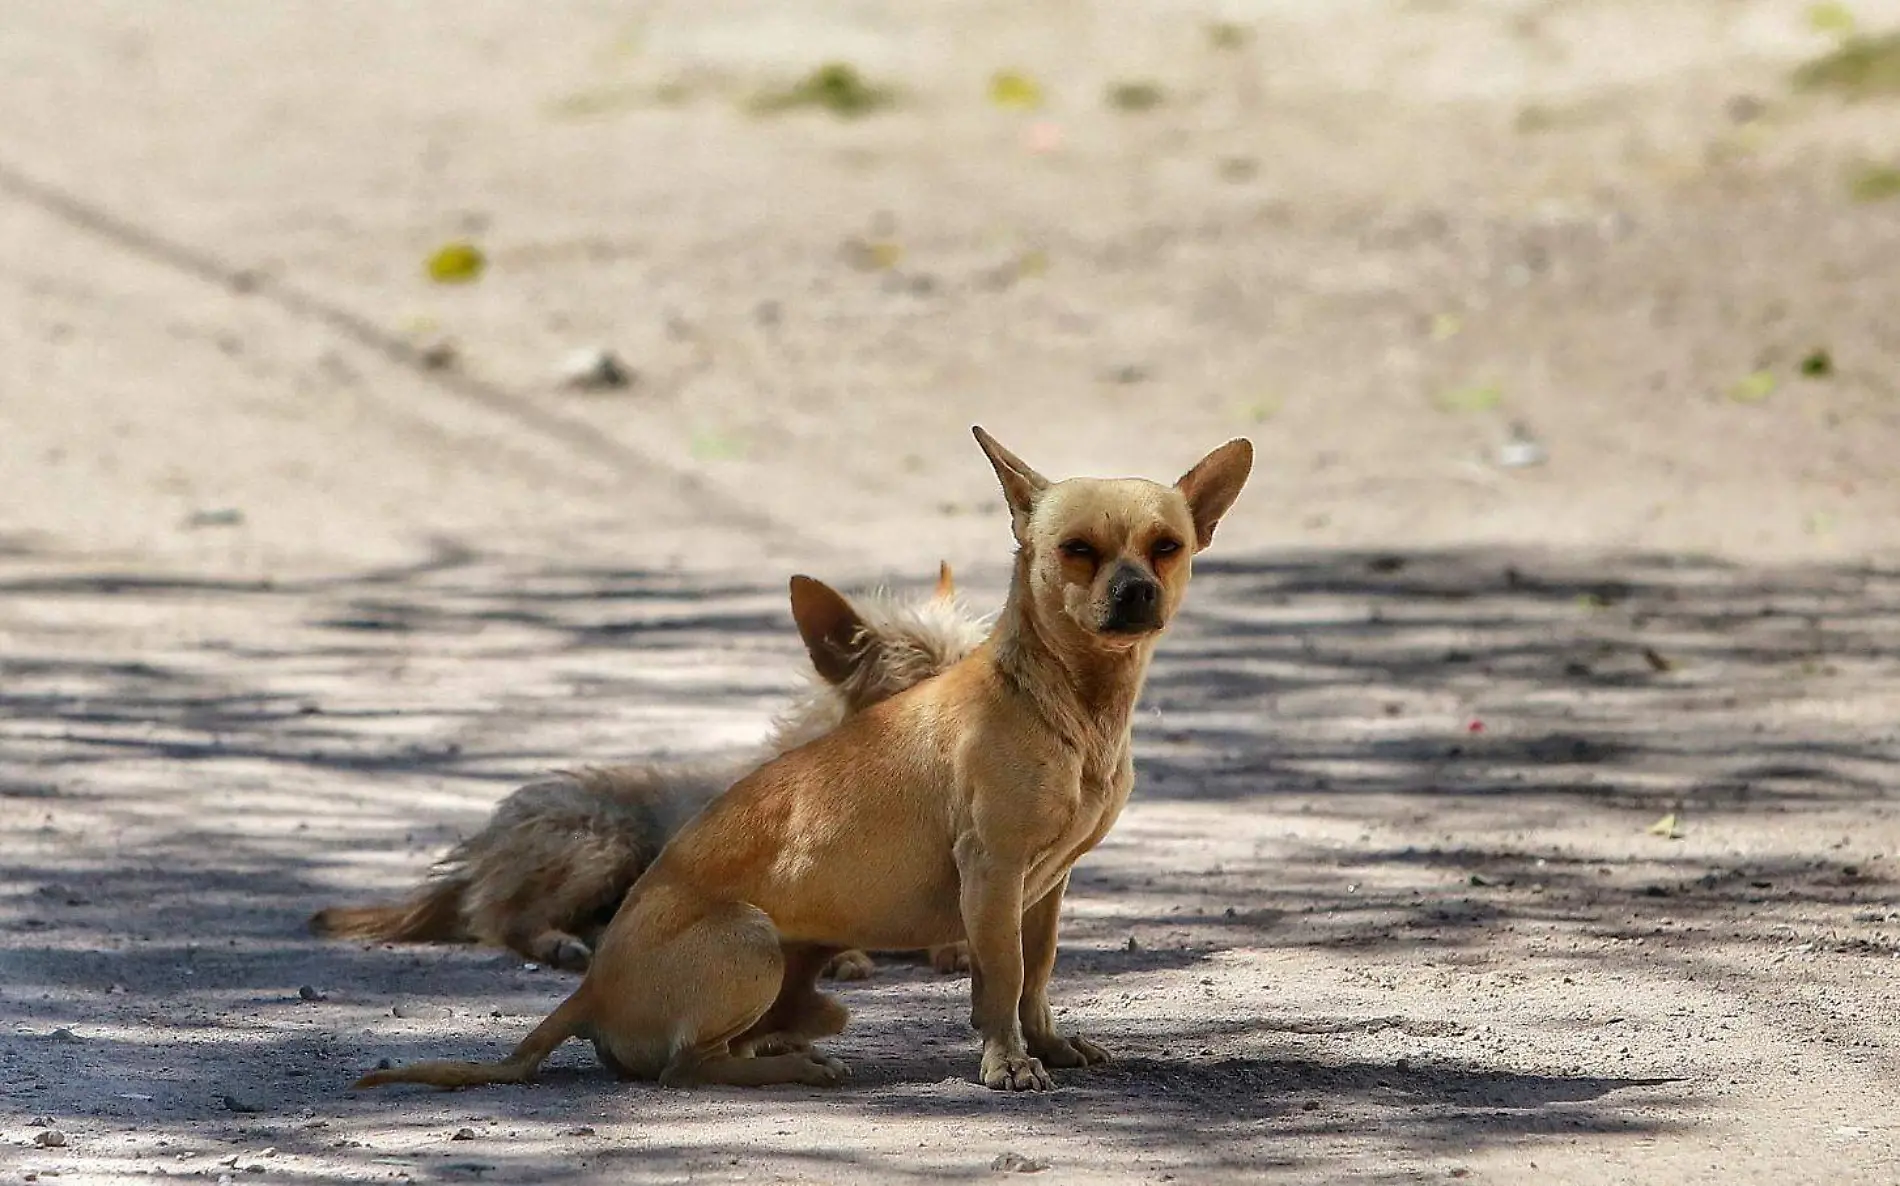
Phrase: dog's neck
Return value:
(1087, 693)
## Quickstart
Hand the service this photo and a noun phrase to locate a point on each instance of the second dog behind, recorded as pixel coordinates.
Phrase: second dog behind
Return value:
(548, 870)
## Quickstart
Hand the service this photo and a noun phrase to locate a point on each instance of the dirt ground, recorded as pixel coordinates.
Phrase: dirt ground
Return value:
(305, 561)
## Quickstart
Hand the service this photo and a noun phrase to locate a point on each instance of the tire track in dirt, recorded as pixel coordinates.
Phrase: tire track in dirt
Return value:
(583, 441)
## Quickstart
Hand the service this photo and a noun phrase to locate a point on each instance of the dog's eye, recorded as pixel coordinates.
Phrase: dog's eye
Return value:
(1078, 548)
(1166, 547)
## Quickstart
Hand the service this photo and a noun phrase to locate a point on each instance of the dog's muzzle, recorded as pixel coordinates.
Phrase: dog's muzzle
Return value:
(1134, 602)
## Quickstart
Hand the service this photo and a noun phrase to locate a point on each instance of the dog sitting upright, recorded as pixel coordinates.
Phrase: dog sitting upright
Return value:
(954, 809)
(549, 868)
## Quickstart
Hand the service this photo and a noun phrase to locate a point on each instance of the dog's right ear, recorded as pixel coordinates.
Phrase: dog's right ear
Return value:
(946, 583)
(835, 636)
(1021, 485)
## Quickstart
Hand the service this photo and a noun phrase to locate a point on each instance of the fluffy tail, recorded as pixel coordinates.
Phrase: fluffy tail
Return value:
(520, 1067)
(431, 914)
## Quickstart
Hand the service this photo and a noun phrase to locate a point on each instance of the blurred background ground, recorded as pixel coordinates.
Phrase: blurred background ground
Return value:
(1565, 333)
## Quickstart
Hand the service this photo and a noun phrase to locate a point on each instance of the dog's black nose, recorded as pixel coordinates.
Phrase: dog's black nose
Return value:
(1134, 601)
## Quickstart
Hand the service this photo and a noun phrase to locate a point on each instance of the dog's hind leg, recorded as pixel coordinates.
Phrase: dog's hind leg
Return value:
(801, 1014)
(692, 977)
(540, 919)
(549, 945)
(950, 958)
(730, 1070)
(851, 965)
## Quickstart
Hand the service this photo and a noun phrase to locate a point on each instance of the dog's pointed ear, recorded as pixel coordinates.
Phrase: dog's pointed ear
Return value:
(835, 636)
(1213, 484)
(1021, 484)
(946, 582)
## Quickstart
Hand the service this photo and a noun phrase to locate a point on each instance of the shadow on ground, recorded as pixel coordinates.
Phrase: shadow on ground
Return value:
(172, 817)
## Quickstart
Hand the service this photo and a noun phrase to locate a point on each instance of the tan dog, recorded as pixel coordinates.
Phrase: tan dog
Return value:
(951, 810)
(553, 862)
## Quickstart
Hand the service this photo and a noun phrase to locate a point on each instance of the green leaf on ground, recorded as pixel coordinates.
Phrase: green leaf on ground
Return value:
(1015, 91)
(456, 263)
(1753, 388)
(1831, 16)
(836, 87)
(1859, 68)
(1483, 397)
(1873, 183)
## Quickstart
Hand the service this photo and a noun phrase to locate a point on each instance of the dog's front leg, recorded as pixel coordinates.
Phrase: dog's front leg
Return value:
(992, 904)
(1039, 961)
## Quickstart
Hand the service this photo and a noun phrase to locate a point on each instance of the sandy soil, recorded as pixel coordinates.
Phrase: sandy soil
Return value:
(285, 605)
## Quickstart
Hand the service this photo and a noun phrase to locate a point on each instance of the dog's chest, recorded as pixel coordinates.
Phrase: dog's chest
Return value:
(1100, 794)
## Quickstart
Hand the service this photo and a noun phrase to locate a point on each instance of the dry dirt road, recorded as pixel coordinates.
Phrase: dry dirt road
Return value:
(305, 561)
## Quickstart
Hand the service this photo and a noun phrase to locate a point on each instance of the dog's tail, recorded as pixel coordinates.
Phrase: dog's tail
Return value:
(431, 914)
(565, 1022)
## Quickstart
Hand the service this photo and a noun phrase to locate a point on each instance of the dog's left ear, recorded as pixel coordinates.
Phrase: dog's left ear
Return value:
(1021, 484)
(835, 636)
(946, 583)
(1213, 484)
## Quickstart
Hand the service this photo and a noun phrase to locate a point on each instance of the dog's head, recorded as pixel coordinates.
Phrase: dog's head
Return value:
(1107, 559)
(869, 650)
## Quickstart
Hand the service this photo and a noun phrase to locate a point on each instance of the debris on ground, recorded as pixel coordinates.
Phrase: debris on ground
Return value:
(836, 87)
(594, 369)
(459, 262)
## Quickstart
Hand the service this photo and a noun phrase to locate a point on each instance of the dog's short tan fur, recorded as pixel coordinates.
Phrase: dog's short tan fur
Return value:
(549, 868)
(952, 810)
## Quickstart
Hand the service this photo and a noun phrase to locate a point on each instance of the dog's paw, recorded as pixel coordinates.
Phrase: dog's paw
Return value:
(772, 1044)
(850, 965)
(571, 955)
(822, 1070)
(1015, 1072)
(951, 958)
(1072, 1051)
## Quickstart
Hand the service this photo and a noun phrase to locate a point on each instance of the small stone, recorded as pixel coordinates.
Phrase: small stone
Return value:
(1016, 1163)
(437, 356)
(40, 1122)
(238, 1103)
(50, 1138)
(582, 1130)
(463, 1134)
(594, 369)
(62, 1034)
(309, 993)
(219, 517)
(415, 1012)
(1521, 452)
